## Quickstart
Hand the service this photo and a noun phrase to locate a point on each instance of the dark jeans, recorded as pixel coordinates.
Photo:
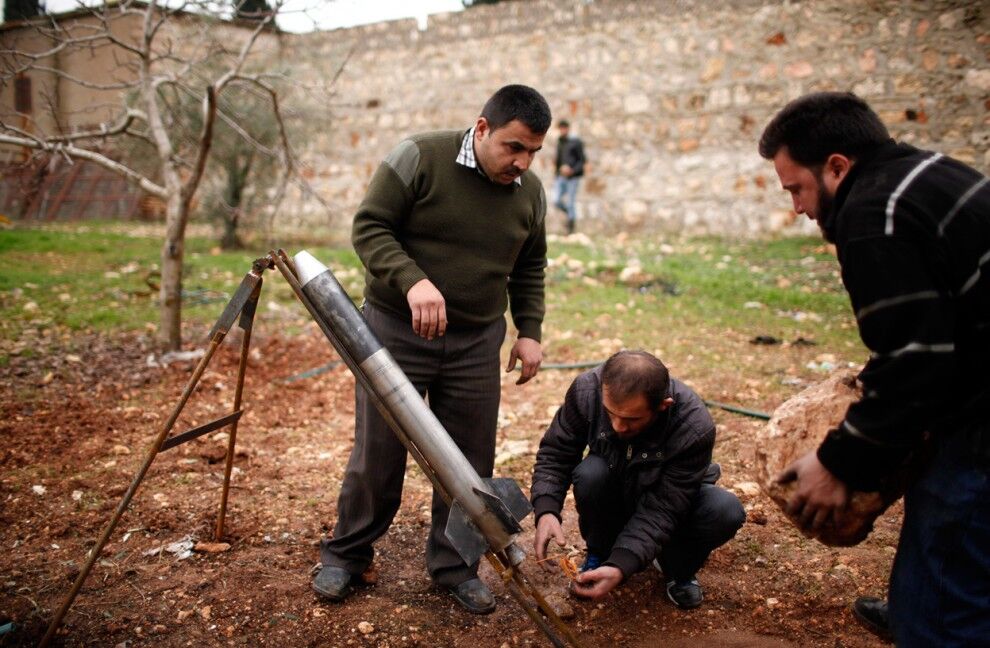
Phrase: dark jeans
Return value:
(459, 373)
(713, 520)
(940, 583)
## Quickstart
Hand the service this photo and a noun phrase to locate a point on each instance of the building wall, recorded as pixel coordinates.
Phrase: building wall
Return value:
(92, 76)
(669, 97)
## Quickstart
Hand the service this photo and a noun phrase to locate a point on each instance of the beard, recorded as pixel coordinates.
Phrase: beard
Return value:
(824, 216)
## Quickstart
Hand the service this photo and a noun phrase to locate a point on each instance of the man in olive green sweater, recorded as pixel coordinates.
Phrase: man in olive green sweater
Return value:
(451, 232)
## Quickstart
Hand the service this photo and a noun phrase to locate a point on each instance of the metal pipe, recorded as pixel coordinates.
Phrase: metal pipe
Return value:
(247, 317)
(472, 498)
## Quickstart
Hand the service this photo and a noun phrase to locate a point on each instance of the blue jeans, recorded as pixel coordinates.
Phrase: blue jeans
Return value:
(565, 198)
(940, 583)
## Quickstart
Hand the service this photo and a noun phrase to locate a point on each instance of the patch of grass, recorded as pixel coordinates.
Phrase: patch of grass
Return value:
(697, 301)
(98, 278)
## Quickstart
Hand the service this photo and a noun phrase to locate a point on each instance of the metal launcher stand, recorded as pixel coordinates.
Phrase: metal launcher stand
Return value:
(241, 308)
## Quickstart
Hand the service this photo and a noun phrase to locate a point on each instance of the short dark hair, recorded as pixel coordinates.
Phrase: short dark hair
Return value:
(518, 102)
(631, 373)
(817, 125)
(563, 123)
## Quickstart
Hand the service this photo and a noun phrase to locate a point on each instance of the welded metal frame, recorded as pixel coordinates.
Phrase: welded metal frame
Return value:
(242, 307)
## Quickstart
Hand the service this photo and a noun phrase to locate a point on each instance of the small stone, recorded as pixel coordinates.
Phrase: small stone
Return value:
(183, 615)
(747, 488)
(205, 612)
(121, 450)
(211, 547)
(560, 606)
(38, 489)
(30, 307)
(365, 628)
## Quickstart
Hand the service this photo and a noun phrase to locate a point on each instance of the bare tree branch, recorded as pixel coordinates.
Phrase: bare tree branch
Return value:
(86, 154)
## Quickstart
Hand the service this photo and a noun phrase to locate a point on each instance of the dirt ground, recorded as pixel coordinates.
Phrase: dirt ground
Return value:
(75, 426)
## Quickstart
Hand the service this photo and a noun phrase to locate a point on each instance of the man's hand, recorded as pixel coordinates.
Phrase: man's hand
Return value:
(818, 497)
(429, 310)
(530, 353)
(597, 583)
(566, 170)
(548, 526)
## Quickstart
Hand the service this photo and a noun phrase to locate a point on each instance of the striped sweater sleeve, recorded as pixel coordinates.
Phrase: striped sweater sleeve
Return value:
(906, 319)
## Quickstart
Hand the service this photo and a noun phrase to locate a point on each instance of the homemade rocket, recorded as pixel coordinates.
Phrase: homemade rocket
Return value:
(484, 513)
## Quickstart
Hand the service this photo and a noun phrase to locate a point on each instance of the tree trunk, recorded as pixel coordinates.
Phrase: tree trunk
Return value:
(170, 324)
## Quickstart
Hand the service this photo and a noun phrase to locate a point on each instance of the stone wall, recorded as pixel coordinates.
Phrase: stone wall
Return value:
(669, 97)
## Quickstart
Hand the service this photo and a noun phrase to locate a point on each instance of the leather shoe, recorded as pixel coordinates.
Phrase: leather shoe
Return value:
(474, 596)
(332, 584)
(872, 614)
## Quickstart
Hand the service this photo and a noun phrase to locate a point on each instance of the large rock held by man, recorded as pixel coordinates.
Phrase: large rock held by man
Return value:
(798, 427)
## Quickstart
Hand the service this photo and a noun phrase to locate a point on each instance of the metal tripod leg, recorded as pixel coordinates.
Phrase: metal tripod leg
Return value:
(247, 324)
(248, 287)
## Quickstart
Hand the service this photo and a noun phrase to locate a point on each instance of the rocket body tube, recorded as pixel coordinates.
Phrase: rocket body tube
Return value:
(479, 501)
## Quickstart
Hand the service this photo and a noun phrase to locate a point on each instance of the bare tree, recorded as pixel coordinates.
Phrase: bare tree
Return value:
(154, 52)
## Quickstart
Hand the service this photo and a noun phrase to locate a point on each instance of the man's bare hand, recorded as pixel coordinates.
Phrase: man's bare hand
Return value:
(597, 583)
(429, 310)
(547, 527)
(566, 170)
(530, 353)
(819, 495)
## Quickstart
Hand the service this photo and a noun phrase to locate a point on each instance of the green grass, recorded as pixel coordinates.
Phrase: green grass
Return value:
(787, 288)
(690, 293)
(93, 279)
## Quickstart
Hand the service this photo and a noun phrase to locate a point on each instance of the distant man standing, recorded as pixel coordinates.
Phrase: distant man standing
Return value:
(569, 169)
(912, 231)
(637, 447)
(451, 231)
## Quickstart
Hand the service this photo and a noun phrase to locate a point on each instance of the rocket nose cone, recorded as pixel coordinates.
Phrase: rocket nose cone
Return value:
(307, 267)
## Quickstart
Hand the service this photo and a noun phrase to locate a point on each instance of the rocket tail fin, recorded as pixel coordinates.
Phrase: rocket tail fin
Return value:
(464, 535)
(511, 496)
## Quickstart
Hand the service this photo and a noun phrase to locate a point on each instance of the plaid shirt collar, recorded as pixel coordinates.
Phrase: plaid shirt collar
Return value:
(465, 156)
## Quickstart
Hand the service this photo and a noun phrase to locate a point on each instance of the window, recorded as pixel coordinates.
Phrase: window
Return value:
(22, 94)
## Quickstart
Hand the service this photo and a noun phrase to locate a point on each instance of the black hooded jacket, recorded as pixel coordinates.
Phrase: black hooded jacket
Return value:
(661, 469)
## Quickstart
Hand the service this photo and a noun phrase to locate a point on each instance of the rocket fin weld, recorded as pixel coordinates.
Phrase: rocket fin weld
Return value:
(497, 507)
(511, 495)
(464, 535)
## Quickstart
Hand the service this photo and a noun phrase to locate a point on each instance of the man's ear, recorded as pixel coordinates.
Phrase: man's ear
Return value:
(481, 128)
(665, 404)
(837, 166)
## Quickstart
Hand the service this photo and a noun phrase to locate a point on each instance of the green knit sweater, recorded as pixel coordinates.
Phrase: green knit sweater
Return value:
(482, 244)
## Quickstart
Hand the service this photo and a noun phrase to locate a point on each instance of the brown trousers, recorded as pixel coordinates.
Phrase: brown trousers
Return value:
(459, 375)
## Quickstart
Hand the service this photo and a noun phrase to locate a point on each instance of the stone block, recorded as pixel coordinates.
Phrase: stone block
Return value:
(796, 428)
(636, 103)
(799, 70)
(979, 79)
(868, 61)
(634, 212)
(713, 69)
(869, 88)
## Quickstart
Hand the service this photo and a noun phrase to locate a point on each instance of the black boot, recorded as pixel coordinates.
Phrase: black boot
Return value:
(872, 615)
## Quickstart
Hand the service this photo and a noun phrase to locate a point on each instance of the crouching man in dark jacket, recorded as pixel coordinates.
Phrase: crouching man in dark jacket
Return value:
(645, 491)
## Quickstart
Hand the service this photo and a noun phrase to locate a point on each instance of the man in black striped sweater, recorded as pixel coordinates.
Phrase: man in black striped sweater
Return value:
(912, 231)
